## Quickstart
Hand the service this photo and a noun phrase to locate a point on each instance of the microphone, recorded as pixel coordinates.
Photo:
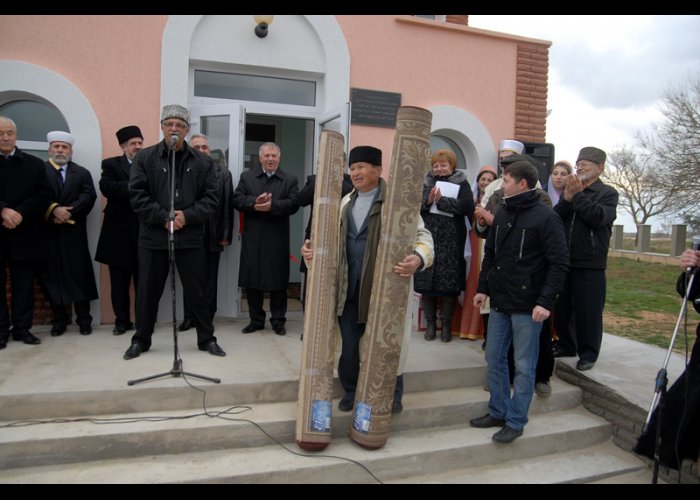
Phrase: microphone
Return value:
(695, 247)
(173, 140)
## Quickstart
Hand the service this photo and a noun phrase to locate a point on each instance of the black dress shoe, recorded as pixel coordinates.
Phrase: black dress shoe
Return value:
(486, 421)
(346, 404)
(186, 324)
(396, 407)
(280, 330)
(58, 329)
(213, 349)
(134, 351)
(4, 337)
(583, 365)
(558, 352)
(507, 435)
(119, 330)
(251, 328)
(26, 337)
(85, 329)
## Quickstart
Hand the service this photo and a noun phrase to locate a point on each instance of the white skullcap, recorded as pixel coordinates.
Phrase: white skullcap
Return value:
(511, 145)
(60, 136)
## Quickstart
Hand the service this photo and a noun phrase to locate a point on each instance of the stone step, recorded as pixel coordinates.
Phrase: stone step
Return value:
(407, 454)
(158, 397)
(84, 441)
(600, 463)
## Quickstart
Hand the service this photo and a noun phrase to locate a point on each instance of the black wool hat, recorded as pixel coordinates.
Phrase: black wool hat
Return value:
(367, 154)
(591, 154)
(128, 132)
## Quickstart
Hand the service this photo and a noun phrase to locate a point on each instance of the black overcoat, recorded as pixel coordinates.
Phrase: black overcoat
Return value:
(119, 235)
(265, 246)
(24, 188)
(68, 273)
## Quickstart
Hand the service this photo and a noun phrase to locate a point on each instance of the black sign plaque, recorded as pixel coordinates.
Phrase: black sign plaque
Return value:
(375, 108)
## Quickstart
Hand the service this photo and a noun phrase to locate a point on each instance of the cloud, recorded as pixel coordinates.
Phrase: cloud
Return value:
(636, 66)
(612, 61)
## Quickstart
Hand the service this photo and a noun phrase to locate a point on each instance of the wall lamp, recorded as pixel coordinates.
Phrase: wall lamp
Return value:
(262, 23)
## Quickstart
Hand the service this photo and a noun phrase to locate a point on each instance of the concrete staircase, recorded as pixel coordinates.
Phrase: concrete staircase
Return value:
(253, 442)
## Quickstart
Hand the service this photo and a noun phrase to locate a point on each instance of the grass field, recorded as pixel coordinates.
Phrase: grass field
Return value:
(642, 303)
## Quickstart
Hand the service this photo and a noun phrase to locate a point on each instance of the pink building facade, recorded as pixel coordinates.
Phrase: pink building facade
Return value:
(100, 73)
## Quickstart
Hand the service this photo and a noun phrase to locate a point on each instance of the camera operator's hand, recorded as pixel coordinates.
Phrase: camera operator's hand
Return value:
(690, 258)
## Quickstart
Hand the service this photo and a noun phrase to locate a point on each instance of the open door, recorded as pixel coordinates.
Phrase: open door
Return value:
(224, 125)
(338, 120)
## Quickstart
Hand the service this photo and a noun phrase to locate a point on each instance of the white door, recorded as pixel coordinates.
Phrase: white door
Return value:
(338, 120)
(224, 125)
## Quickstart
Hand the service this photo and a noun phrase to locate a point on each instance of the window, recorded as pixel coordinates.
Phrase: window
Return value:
(34, 120)
(254, 88)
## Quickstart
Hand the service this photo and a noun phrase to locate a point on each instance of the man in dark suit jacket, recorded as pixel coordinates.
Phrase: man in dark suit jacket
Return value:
(67, 276)
(268, 197)
(118, 243)
(24, 195)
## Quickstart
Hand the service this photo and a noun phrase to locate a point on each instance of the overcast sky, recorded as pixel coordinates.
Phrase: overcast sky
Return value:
(606, 73)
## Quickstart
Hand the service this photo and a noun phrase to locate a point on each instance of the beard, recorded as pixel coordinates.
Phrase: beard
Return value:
(60, 159)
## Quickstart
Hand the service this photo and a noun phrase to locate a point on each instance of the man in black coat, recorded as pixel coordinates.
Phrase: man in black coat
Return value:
(218, 232)
(267, 196)
(588, 208)
(195, 202)
(680, 422)
(118, 243)
(24, 196)
(67, 276)
(524, 268)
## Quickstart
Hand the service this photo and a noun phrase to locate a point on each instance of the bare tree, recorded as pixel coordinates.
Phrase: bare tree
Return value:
(636, 179)
(674, 144)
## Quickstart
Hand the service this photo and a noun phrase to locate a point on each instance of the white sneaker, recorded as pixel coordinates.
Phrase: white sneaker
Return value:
(543, 389)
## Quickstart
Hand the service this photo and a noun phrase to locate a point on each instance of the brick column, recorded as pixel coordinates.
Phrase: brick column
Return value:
(457, 19)
(531, 92)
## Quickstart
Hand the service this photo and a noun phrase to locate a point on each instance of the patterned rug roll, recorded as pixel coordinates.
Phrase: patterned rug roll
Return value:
(314, 406)
(380, 347)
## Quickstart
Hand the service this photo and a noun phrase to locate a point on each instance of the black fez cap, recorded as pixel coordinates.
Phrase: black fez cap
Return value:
(366, 154)
(129, 132)
(591, 154)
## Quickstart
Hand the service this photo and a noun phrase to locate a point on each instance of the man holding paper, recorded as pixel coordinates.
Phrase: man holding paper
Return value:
(447, 199)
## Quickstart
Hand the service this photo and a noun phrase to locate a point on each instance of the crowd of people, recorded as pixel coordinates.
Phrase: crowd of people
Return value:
(504, 259)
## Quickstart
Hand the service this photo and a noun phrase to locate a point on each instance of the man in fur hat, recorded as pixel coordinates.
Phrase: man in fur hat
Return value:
(118, 243)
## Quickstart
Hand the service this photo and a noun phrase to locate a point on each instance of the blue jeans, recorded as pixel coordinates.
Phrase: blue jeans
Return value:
(525, 335)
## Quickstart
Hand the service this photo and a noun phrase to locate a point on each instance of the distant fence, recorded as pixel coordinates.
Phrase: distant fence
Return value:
(678, 240)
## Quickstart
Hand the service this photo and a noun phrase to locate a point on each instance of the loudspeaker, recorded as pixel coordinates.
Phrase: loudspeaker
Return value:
(544, 152)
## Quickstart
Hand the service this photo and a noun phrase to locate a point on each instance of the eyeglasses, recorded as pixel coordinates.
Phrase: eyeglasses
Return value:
(177, 125)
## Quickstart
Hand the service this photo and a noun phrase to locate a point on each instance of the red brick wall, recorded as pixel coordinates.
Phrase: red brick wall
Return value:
(458, 19)
(531, 92)
(42, 310)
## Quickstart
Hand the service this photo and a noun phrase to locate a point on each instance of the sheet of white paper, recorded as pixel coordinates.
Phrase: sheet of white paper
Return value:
(448, 190)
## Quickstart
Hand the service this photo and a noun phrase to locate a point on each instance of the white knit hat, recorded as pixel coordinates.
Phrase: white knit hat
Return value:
(58, 135)
(511, 145)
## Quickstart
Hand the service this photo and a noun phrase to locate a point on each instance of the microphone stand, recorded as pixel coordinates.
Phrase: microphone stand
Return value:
(661, 384)
(177, 370)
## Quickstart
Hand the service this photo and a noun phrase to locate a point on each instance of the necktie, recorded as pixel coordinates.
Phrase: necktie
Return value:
(60, 176)
(269, 174)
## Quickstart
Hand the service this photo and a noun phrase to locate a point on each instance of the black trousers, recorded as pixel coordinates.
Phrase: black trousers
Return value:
(584, 298)
(154, 267)
(22, 286)
(212, 263)
(349, 364)
(278, 307)
(82, 313)
(121, 302)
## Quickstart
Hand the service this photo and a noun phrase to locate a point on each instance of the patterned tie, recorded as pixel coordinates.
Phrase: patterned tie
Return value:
(269, 174)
